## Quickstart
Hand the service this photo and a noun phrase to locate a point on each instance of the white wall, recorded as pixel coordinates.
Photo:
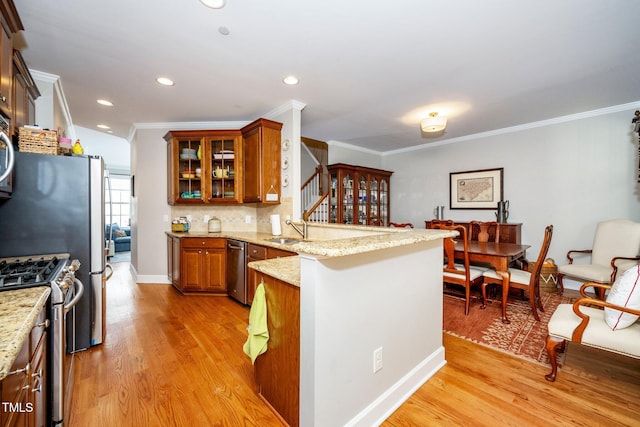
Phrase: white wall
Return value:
(570, 174)
(115, 151)
(151, 213)
(351, 155)
(149, 206)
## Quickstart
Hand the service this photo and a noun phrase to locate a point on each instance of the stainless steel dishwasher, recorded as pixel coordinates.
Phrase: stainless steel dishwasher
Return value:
(236, 270)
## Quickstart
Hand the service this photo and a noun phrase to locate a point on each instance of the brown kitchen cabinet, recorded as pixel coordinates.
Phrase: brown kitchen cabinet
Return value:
(359, 195)
(201, 264)
(277, 371)
(259, 253)
(203, 167)
(261, 162)
(24, 94)
(24, 389)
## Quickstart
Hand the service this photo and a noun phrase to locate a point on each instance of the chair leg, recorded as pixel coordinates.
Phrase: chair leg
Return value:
(534, 301)
(467, 299)
(560, 284)
(505, 295)
(484, 296)
(552, 345)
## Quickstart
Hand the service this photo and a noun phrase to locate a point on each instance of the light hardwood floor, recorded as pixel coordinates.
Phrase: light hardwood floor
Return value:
(172, 360)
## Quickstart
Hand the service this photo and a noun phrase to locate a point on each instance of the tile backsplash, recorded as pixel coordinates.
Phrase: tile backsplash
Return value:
(233, 218)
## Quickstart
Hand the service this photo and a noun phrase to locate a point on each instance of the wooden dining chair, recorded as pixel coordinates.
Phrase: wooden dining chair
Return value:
(488, 231)
(461, 274)
(400, 225)
(528, 281)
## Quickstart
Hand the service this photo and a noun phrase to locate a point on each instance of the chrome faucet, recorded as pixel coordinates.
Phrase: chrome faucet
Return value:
(302, 232)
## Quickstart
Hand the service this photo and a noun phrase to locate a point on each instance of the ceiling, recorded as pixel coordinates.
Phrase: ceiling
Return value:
(368, 70)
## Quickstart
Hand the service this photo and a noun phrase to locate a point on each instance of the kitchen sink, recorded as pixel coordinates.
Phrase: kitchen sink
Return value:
(284, 240)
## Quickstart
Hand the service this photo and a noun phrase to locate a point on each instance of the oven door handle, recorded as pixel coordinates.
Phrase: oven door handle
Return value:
(79, 291)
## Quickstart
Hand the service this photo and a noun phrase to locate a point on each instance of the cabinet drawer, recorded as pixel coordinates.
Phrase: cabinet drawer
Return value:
(209, 243)
(256, 251)
(278, 253)
(38, 330)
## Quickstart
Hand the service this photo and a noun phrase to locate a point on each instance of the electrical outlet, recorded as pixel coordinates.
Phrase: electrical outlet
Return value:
(189, 218)
(377, 359)
(247, 219)
(205, 218)
(165, 218)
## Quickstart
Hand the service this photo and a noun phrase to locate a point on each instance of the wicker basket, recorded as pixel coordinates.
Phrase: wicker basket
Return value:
(548, 275)
(38, 141)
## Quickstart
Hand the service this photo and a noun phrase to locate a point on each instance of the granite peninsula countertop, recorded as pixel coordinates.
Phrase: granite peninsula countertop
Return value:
(18, 312)
(328, 240)
(286, 269)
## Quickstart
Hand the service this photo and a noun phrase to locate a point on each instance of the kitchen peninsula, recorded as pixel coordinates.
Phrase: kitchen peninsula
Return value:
(381, 293)
(356, 291)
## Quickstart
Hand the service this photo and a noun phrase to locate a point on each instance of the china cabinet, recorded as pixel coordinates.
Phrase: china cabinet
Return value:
(203, 167)
(359, 195)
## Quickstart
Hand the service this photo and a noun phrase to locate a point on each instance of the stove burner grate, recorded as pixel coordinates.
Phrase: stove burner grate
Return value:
(27, 273)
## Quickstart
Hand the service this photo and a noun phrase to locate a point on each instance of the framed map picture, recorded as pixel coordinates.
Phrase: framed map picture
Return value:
(480, 189)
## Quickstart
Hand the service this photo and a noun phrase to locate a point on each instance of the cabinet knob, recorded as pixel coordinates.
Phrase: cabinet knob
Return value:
(3, 99)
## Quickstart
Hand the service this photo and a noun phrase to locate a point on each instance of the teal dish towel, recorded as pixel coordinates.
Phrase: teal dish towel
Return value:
(256, 343)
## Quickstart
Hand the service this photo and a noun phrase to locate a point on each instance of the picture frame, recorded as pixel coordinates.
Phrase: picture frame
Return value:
(476, 189)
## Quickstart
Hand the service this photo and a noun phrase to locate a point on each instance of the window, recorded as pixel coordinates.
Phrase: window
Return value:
(117, 210)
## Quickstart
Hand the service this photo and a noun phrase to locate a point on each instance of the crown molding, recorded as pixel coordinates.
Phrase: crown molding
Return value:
(518, 128)
(59, 94)
(333, 143)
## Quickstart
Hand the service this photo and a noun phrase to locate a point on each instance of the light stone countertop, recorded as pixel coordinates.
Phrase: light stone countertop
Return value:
(286, 269)
(18, 312)
(326, 240)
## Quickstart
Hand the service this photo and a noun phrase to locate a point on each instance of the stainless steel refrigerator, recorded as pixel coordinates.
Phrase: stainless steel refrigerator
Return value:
(57, 206)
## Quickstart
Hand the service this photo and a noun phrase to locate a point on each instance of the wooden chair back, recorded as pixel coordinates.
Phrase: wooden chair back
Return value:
(449, 245)
(484, 231)
(534, 282)
(400, 225)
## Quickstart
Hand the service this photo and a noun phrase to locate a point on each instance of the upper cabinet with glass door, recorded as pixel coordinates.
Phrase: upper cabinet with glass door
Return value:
(359, 195)
(201, 167)
(225, 176)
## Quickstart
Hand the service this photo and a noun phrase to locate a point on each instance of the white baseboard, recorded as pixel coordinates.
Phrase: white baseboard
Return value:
(381, 408)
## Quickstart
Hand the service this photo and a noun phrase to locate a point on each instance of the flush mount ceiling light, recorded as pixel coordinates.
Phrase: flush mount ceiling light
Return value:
(105, 102)
(104, 127)
(291, 80)
(165, 81)
(213, 4)
(433, 123)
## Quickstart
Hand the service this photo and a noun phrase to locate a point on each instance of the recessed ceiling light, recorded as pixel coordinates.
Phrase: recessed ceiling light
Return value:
(213, 4)
(291, 80)
(165, 81)
(105, 102)
(104, 127)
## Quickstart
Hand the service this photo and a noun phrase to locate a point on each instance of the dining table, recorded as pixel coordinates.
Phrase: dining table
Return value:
(496, 255)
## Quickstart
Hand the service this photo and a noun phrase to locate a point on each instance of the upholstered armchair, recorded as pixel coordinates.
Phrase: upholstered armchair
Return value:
(610, 325)
(616, 245)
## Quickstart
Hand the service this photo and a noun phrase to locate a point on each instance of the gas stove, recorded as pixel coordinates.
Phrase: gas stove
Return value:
(31, 271)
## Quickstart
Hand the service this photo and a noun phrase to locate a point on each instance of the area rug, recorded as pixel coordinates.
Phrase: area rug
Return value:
(523, 337)
(120, 257)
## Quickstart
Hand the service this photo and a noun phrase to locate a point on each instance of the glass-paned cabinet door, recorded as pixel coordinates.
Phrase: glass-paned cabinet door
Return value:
(222, 169)
(347, 199)
(374, 210)
(190, 184)
(333, 198)
(362, 200)
(384, 202)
